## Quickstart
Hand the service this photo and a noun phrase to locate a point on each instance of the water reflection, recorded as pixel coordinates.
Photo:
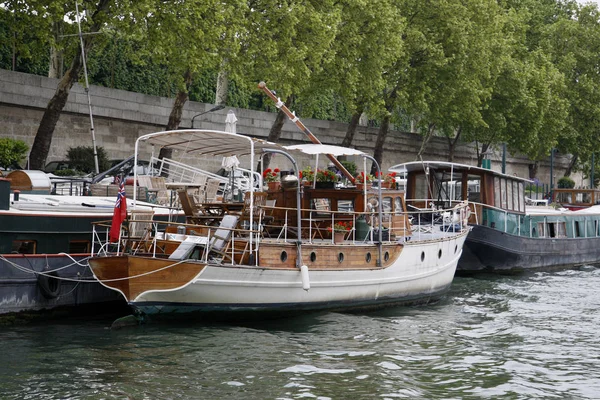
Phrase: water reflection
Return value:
(511, 337)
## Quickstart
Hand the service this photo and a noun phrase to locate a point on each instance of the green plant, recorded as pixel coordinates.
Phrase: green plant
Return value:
(12, 151)
(566, 183)
(325, 175)
(350, 167)
(307, 174)
(81, 158)
(66, 172)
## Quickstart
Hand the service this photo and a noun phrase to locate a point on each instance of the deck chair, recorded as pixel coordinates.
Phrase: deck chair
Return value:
(140, 229)
(210, 193)
(260, 200)
(219, 241)
(198, 193)
(162, 193)
(189, 207)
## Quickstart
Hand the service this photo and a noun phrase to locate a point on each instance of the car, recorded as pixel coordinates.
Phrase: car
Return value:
(54, 166)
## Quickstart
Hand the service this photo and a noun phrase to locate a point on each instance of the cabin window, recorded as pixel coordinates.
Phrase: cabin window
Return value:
(496, 191)
(386, 208)
(585, 198)
(520, 195)
(398, 209)
(552, 229)
(578, 229)
(421, 186)
(79, 246)
(509, 195)
(503, 198)
(24, 246)
(474, 188)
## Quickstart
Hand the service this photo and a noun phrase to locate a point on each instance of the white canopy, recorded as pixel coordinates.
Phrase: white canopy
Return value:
(312, 148)
(200, 141)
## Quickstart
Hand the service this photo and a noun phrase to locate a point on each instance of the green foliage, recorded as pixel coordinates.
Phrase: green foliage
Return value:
(81, 158)
(566, 183)
(350, 166)
(12, 151)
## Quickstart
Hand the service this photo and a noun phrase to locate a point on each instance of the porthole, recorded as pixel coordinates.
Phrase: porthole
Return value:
(386, 256)
(340, 257)
(422, 256)
(440, 253)
(368, 258)
(283, 256)
(313, 257)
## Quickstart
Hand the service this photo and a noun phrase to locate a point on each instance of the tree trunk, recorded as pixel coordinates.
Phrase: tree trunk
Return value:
(452, 144)
(274, 134)
(43, 137)
(384, 129)
(56, 56)
(425, 141)
(222, 87)
(347, 142)
(533, 169)
(176, 112)
(572, 163)
(482, 153)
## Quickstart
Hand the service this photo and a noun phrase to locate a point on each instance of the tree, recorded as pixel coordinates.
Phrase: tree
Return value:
(12, 152)
(48, 13)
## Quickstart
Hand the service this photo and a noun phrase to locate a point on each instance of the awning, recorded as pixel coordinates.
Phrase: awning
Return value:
(312, 148)
(200, 141)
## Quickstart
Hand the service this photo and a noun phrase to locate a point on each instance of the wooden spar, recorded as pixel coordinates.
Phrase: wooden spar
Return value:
(281, 105)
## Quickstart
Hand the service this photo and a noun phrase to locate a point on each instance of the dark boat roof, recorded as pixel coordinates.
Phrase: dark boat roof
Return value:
(421, 166)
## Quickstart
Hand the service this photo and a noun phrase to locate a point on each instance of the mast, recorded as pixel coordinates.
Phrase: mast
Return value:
(292, 116)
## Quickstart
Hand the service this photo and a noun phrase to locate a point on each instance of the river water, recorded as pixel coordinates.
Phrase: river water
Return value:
(533, 336)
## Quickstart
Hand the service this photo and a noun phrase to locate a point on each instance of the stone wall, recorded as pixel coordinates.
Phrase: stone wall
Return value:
(120, 117)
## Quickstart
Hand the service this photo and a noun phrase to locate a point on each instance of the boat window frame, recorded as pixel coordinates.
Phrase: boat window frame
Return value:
(16, 248)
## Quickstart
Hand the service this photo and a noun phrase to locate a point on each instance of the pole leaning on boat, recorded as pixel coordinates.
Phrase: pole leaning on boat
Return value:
(281, 105)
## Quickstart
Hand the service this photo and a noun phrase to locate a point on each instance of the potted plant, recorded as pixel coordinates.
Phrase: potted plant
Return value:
(307, 175)
(272, 177)
(326, 179)
(340, 230)
(388, 181)
(363, 181)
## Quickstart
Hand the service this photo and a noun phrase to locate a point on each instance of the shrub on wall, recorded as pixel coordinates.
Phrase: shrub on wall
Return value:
(566, 183)
(81, 158)
(12, 151)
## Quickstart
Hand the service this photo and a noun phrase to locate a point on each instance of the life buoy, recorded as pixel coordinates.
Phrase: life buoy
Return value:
(49, 284)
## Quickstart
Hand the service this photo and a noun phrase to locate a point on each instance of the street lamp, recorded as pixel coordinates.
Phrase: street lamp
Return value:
(215, 108)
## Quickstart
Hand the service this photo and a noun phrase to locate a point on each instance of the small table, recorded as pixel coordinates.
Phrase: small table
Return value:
(218, 208)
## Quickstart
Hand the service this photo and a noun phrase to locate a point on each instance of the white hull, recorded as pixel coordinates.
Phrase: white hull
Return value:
(241, 288)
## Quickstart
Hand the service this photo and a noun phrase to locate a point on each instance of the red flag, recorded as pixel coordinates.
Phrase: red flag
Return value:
(119, 214)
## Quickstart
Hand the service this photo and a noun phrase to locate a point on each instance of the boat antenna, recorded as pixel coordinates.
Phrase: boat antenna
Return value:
(292, 116)
(87, 87)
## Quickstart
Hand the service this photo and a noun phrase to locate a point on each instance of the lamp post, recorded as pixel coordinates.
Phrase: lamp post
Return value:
(215, 108)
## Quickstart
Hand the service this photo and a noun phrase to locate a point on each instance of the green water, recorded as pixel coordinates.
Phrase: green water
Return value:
(527, 337)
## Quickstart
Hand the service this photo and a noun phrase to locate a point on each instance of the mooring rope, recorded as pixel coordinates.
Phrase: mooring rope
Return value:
(47, 273)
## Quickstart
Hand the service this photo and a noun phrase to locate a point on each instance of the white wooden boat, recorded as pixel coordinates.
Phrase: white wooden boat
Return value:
(290, 261)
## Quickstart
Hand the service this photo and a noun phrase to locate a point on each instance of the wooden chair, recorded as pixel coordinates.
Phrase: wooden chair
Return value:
(212, 187)
(140, 229)
(260, 200)
(193, 214)
(198, 192)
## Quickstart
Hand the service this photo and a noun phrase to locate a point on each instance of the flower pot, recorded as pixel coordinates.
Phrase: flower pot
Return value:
(325, 185)
(339, 237)
(361, 186)
(386, 185)
(274, 186)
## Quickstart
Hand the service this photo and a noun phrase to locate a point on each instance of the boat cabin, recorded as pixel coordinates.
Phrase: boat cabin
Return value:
(576, 199)
(443, 185)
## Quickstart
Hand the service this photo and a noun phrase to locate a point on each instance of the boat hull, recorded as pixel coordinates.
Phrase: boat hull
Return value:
(488, 249)
(421, 273)
(21, 289)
